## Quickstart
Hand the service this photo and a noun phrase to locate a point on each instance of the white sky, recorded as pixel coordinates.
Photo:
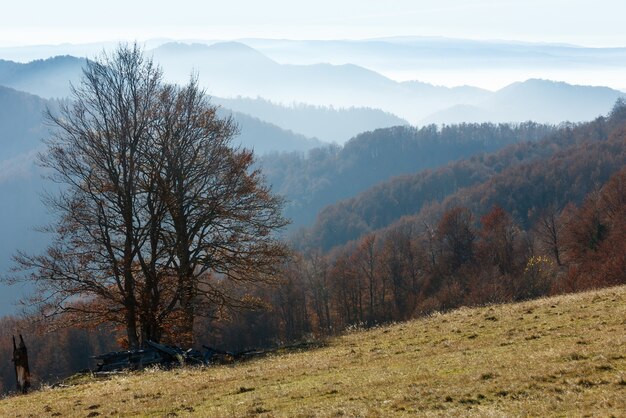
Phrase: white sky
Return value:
(582, 22)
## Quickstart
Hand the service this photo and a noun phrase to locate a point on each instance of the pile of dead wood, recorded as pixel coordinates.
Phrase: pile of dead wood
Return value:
(167, 356)
(154, 354)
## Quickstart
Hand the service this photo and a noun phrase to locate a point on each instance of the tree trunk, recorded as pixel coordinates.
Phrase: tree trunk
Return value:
(187, 304)
(131, 326)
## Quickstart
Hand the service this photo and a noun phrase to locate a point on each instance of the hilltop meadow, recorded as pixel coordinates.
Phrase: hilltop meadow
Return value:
(559, 356)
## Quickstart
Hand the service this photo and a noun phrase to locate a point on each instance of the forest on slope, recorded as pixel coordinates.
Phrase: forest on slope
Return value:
(326, 175)
(546, 221)
(550, 225)
(561, 168)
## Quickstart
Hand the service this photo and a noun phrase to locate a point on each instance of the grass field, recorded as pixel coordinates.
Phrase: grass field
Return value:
(564, 356)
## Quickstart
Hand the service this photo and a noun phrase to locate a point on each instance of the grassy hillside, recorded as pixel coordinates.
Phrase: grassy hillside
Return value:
(563, 356)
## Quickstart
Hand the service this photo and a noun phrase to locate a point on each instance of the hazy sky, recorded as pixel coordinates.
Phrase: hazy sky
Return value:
(584, 22)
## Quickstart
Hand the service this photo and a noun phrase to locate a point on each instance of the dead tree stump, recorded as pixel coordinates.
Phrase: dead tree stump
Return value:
(20, 361)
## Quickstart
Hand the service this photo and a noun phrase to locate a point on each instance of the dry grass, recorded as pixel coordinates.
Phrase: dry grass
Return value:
(564, 356)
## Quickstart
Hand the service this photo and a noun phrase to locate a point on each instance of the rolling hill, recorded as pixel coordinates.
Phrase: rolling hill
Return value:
(264, 137)
(48, 78)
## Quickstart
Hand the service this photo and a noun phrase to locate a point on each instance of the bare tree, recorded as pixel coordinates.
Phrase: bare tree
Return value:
(156, 207)
(221, 217)
(316, 269)
(549, 232)
(456, 237)
(94, 154)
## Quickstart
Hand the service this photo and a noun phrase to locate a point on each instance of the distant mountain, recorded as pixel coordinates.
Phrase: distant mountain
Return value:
(431, 59)
(234, 69)
(405, 52)
(27, 53)
(224, 68)
(325, 123)
(549, 101)
(231, 69)
(49, 78)
(456, 61)
(538, 100)
(264, 137)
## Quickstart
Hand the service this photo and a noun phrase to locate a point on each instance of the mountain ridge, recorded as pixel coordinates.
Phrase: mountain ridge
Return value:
(231, 69)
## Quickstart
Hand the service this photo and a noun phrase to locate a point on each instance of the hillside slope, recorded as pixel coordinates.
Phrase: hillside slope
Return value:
(21, 122)
(325, 123)
(326, 175)
(563, 356)
(522, 178)
(49, 78)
